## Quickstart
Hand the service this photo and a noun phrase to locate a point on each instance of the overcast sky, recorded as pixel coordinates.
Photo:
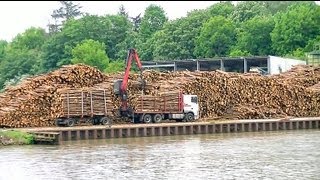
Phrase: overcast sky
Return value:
(17, 16)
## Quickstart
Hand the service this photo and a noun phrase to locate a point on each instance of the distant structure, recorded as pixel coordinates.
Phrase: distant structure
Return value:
(262, 64)
(313, 57)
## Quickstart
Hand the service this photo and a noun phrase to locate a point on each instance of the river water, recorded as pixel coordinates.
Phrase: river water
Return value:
(258, 155)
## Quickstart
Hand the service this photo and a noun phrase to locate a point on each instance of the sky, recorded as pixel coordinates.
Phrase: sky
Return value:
(17, 16)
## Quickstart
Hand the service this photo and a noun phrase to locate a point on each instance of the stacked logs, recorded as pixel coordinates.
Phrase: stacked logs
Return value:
(163, 102)
(39, 100)
(35, 101)
(85, 102)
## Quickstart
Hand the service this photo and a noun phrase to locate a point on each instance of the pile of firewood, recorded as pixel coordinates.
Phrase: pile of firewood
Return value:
(38, 101)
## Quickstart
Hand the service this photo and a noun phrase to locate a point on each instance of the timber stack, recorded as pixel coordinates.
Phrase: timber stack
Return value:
(38, 101)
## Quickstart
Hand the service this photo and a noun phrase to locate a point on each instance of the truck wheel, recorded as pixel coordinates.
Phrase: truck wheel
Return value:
(105, 121)
(57, 122)
(95, 121)
(147, 118)
(157, 118)
(70, 122)
(189, 117)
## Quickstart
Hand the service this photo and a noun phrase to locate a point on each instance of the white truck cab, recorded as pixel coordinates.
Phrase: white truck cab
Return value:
(190, 104)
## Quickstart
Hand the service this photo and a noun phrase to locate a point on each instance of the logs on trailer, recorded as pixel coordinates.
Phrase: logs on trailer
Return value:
(36, 101)
(86, 102)
(163, 102)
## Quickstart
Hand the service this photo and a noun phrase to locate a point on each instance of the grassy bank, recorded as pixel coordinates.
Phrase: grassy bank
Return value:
(13, 137)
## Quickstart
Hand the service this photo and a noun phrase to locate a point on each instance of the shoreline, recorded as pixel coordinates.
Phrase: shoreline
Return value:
(15, 137)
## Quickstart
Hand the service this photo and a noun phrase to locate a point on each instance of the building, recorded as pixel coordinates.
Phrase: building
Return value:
(264, 64)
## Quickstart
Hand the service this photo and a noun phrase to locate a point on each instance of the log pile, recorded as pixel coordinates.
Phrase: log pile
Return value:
(37, 101)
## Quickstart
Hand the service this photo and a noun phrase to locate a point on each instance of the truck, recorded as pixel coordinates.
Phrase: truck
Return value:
(174, 106)
(85, 106)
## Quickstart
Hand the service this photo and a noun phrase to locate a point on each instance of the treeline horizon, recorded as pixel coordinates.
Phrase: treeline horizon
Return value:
(249, 28)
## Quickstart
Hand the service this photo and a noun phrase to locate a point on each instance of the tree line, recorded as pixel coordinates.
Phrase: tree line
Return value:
(284, 28)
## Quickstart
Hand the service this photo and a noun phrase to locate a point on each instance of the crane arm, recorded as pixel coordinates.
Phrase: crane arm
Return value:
(132, 54)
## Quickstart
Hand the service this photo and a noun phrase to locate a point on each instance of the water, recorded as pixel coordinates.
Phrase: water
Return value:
(260, 155)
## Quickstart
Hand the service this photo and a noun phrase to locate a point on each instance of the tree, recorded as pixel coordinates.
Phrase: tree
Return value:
(152, 21)
(246, 10)
(115, 66)
(18, 62)
(92, 53)
(254, 36)
(57, 51)
(3, 45)
(216, 37)
(64, 13)
(177, 39)
(120, 37)
(295, 27)
(224, 9)
(278, 6)
(122, 11)
(32, 38)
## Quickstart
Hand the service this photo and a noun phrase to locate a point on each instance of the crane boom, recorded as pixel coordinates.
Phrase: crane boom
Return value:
(121, 86)
(132, 54)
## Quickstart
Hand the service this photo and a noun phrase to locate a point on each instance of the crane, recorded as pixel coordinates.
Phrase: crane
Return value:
(121, 85)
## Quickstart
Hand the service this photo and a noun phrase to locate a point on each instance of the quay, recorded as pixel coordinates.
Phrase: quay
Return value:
(167, 129)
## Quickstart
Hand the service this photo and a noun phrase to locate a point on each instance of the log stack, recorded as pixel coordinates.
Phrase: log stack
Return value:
(36, 101)
(85, 102)
(163, 102)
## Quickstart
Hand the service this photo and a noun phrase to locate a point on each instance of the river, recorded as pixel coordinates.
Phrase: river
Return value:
(254, 155)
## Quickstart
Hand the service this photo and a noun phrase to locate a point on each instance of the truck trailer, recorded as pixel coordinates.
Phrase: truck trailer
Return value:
(85, 106)
(171, 106)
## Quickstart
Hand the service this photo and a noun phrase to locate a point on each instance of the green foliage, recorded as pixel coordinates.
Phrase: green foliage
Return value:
(67, 11)
(115, 66)
(279, 6)
(123, 11)
(153, 20)
(92, 53)
(18, 137)
(32, 38)
(238, 53)
(22, 56)
(176, 40)
(246, 10)
(216, 37)
(254, 36)
(224, 8)
(3, 45)
(311, 44)
(115, 31)
(295, 27)
(299, 53)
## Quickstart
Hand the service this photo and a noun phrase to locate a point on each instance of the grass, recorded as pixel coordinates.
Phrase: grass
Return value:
(15, 137)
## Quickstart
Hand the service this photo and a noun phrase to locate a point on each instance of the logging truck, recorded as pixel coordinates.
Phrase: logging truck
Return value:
(170, 105)
(85, 106)
(175, 106)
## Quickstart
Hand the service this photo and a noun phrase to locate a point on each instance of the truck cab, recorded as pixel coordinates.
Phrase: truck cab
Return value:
(191, 105)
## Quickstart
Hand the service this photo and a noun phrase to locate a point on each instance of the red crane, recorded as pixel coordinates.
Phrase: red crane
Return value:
(121, 86)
